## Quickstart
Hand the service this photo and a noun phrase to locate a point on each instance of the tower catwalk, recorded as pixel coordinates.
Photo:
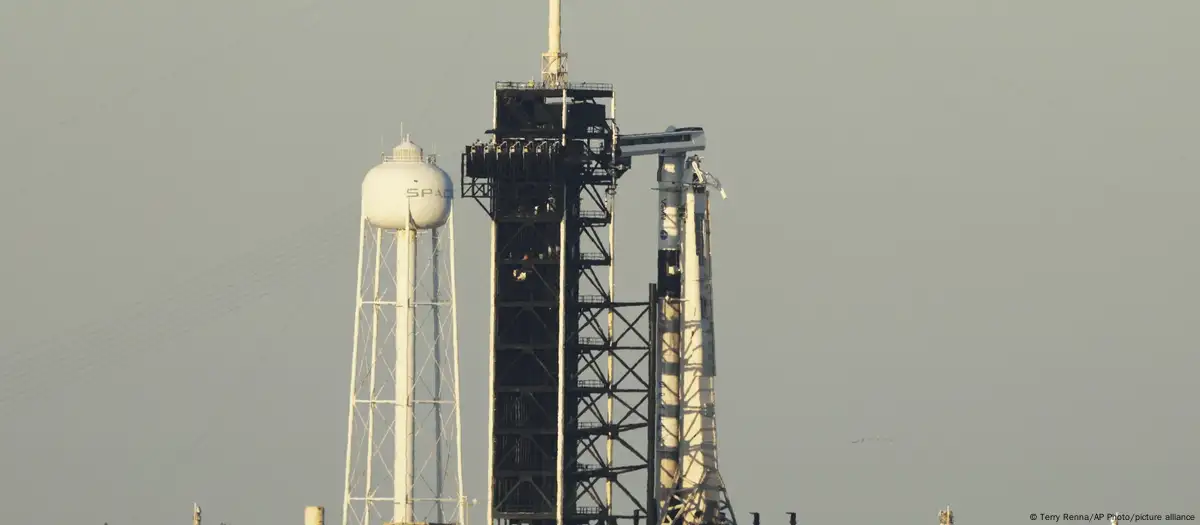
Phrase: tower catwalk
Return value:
(403, 449)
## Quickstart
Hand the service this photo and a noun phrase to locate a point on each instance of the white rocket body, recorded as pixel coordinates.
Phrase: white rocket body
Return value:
(670, 178)
(689, 481)
(699, 444)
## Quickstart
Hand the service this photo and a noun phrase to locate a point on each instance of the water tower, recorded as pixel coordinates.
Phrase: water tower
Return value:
(403, 449)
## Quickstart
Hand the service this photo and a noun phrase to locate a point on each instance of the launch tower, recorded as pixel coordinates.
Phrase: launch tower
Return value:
(570, 376)
(570, 371)
(583, 405)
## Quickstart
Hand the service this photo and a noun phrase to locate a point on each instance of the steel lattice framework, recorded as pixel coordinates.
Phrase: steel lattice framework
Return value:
(572, 375)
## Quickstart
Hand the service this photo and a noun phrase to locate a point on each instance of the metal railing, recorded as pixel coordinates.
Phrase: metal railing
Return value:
(592, 299)
(539, 84)
(589, 383)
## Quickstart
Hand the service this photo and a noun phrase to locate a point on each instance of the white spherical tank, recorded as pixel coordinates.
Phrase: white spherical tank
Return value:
(407, 192)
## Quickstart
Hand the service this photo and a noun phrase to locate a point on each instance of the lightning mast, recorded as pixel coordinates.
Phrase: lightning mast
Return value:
(403, 437)
(554, 60)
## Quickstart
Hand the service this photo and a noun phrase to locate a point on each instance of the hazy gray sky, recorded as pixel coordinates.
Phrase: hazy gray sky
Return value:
(969, 226)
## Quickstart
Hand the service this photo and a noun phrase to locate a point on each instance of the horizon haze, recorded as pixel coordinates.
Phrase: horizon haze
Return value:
(968, 227)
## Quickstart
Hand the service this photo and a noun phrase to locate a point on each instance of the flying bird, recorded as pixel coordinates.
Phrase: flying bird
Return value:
(876, 438)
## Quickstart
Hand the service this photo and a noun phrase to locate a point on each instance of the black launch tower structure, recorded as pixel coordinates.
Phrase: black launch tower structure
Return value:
(572, 380)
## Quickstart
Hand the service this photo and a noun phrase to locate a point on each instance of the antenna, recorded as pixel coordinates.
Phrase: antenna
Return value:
(946, 517)
(554, 61)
